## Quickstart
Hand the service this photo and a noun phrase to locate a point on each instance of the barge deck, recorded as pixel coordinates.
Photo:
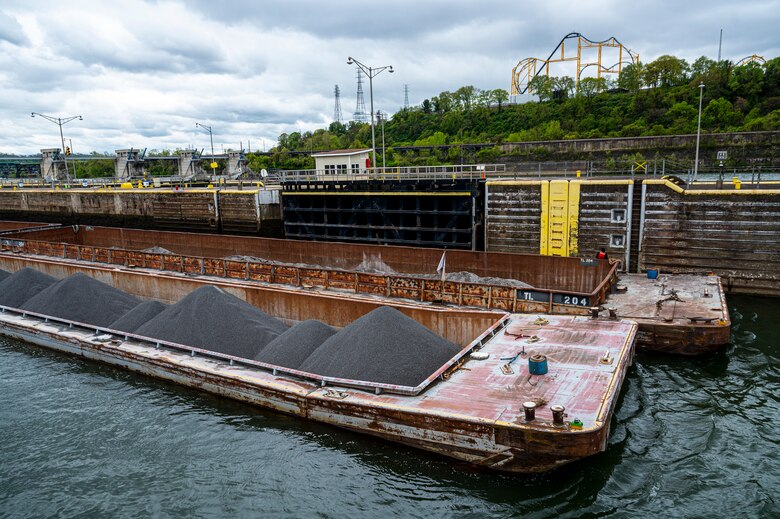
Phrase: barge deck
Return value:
(681, 314)
(472, 410)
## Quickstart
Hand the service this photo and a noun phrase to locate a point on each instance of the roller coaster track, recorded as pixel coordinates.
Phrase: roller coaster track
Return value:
(754, 58)
(527, 69)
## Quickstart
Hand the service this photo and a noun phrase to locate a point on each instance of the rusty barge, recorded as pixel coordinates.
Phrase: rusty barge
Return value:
(694, 324)
(486, 406)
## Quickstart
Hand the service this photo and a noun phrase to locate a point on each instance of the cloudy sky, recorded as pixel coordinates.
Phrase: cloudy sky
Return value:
(142, 73)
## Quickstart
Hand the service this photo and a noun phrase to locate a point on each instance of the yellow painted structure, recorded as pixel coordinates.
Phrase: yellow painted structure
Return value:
(586, 53)
(559, 218)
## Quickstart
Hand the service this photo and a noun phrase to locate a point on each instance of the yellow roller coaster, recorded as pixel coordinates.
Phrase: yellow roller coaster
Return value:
(754, 58)
(589, 54)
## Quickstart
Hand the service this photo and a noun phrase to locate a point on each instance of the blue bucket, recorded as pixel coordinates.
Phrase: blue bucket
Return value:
(537, 364)
(652, 274)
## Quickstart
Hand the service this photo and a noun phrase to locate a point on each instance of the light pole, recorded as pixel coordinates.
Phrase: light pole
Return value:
(371, 72)
(59, 121)
(70, 145)
(211, 138)
(380, 116)
(698, 133)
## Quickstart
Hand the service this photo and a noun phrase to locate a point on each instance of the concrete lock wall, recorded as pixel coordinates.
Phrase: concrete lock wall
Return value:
(249, 211)
(645, 224)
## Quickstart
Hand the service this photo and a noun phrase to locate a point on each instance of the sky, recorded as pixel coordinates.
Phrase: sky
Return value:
(142, 73)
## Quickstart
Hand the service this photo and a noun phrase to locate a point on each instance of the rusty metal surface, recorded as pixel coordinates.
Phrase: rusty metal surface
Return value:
(674, 313)
(6, 226)
(336, 263)
(473, 414)
(458, 325)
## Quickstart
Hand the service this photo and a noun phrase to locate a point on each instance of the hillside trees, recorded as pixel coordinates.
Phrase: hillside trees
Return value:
(657, 98)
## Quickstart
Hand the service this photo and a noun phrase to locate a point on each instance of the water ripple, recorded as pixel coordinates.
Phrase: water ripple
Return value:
(697, 437)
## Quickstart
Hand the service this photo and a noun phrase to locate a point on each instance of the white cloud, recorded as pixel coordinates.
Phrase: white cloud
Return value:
(141, 73)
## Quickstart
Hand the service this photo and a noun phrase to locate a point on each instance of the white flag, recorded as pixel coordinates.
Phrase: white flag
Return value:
(441, 268)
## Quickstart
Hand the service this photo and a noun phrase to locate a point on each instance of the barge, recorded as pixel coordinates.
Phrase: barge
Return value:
(507, 282)
(490, 405)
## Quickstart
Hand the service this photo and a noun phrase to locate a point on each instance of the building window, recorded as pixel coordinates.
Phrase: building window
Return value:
(341, 168)
(618, 216)
(617, 241)
(330, 168)
(355, 168)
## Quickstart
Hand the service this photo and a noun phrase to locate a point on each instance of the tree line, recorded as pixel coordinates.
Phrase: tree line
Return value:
(657, 98)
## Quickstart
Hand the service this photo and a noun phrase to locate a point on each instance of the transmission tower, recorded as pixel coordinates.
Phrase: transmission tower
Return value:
(360, 114)
(406, 97)
(337, 117)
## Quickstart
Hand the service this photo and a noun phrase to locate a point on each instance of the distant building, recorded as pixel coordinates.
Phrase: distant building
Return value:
(342, 161)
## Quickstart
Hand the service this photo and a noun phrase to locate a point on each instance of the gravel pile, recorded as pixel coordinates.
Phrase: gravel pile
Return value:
(470, 277)
(83, 299)
(138, 316)
(212, 319)
(292, 347)
(373, 264)
(382, 346)
(19, 287)
(157, 250)
(4, 274)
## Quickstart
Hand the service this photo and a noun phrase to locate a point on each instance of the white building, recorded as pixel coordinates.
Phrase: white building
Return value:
(342, 161)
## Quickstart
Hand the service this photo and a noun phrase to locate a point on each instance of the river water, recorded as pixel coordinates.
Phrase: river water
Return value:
(691, 438)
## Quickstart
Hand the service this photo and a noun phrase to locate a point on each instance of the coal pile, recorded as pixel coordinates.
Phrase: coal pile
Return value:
(292, 347)
(138, 316)
(383, 346)
(4, 274)
(18, 288)
(214, 320)
(83, 299)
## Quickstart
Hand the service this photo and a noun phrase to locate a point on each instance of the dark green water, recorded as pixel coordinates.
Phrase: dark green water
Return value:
(691, 438)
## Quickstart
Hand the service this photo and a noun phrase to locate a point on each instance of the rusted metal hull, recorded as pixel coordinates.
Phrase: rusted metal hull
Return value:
(677, 314)
(573, 288)
(690, 341)
(557, 282)
(471, 414)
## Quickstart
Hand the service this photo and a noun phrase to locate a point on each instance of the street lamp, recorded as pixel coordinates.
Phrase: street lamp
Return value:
(59, 121)
(698, 133)
(371, 72)
(211, 138)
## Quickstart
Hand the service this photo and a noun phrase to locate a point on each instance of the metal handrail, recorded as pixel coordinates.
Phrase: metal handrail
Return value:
(376, 387)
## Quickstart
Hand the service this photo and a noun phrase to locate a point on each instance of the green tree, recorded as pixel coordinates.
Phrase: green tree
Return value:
(719, 115)
(666, 71)
(682, 117)
(542, 86)
(747, 81)
(499, 96)
(591, 86)
(465, 96)
(631, 77)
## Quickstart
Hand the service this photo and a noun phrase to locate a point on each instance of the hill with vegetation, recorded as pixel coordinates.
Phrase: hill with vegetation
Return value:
(658, 98)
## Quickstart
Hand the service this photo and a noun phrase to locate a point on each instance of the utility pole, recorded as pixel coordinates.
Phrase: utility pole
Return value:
(380, 116)
(59, 121)
(371, 72)
(698, 133)
(211, 138)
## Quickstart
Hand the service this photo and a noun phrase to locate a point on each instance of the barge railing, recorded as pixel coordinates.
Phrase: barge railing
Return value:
(103, 334)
